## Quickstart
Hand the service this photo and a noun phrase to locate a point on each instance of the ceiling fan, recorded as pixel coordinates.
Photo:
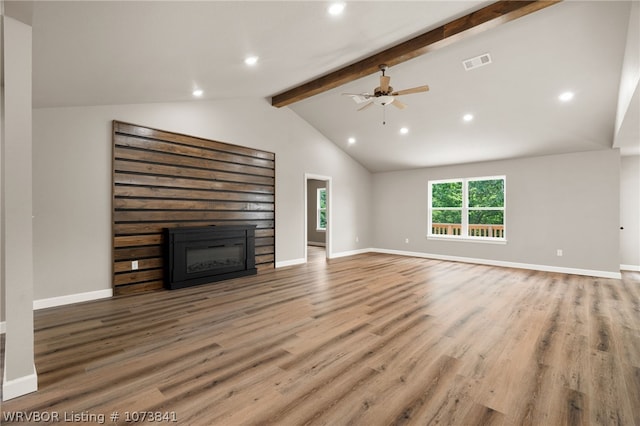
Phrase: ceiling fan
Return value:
(384, 94)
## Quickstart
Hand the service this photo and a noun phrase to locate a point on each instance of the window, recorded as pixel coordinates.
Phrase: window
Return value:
(321, 205)
(471, 208)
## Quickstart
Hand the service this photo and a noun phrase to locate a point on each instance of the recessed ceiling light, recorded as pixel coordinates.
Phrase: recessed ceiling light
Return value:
(336, 8)
(566, 96)
(404, 130)
(251, 60)
(197, 93)
(467, 117)
(351, 141)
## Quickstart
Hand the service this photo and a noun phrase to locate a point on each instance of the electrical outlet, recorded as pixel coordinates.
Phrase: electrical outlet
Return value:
(357, 239)
(134, 265)
(559, 252)
(406, 240)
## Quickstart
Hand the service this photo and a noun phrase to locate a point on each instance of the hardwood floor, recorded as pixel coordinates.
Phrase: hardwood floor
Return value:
(367, 340)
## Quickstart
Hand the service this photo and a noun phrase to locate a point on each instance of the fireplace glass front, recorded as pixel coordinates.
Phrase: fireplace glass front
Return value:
(212, 258)
(206, 254)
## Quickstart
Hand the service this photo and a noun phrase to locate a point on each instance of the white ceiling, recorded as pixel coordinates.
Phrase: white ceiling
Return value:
(95, 53)
(576, 46)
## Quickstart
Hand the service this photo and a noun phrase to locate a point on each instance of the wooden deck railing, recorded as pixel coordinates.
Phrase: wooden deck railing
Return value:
(490, 231)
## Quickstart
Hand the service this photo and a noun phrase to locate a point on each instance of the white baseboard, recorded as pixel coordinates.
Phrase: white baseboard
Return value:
(291, 262)
(350, 253)
(544, 268)
(72, 298)
(635, 268)
(20, 386)
(3, 327)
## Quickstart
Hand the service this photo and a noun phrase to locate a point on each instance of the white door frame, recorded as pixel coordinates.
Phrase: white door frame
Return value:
(327, 180)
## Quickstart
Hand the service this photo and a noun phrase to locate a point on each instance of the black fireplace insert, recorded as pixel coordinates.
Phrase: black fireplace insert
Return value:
(200, 255)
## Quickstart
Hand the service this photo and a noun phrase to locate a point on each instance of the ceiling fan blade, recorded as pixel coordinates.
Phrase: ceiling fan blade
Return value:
(384, 82)
(366, 106)
(396, 103)
(358, 97)
(418, 89)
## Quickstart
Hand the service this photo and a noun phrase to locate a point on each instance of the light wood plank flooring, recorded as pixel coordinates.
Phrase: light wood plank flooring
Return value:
(367, 340)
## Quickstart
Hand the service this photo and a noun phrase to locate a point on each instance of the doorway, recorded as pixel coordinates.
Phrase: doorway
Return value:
(317, 217)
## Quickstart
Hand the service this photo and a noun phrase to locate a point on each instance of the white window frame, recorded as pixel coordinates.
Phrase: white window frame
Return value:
(319, 209)
(464, 233)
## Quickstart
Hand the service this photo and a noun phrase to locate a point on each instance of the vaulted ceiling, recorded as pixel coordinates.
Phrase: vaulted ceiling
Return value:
(112, 52)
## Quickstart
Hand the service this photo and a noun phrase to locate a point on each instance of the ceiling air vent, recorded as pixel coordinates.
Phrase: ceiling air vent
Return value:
(476, 62)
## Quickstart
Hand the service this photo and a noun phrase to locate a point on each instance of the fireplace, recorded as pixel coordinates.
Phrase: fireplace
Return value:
(200, 255)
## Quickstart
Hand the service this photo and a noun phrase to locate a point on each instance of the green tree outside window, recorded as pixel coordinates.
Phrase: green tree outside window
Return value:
(321, 217)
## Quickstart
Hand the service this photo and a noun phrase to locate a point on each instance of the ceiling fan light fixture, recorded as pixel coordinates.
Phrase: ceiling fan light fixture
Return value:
(383, 100)
(384, 94)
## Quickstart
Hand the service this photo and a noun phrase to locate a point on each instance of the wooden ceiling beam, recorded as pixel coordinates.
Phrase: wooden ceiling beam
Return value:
(481, 20)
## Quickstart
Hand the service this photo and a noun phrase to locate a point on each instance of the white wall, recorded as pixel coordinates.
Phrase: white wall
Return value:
(630, 212)
(630, 75)
(16, 271)
(567, 202)
(2, 294)
(72, 181)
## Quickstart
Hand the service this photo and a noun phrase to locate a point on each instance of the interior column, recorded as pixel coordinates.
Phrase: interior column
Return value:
(16, 227)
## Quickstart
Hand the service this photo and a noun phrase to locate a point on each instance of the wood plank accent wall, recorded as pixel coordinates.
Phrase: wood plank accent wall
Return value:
(163, 179)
